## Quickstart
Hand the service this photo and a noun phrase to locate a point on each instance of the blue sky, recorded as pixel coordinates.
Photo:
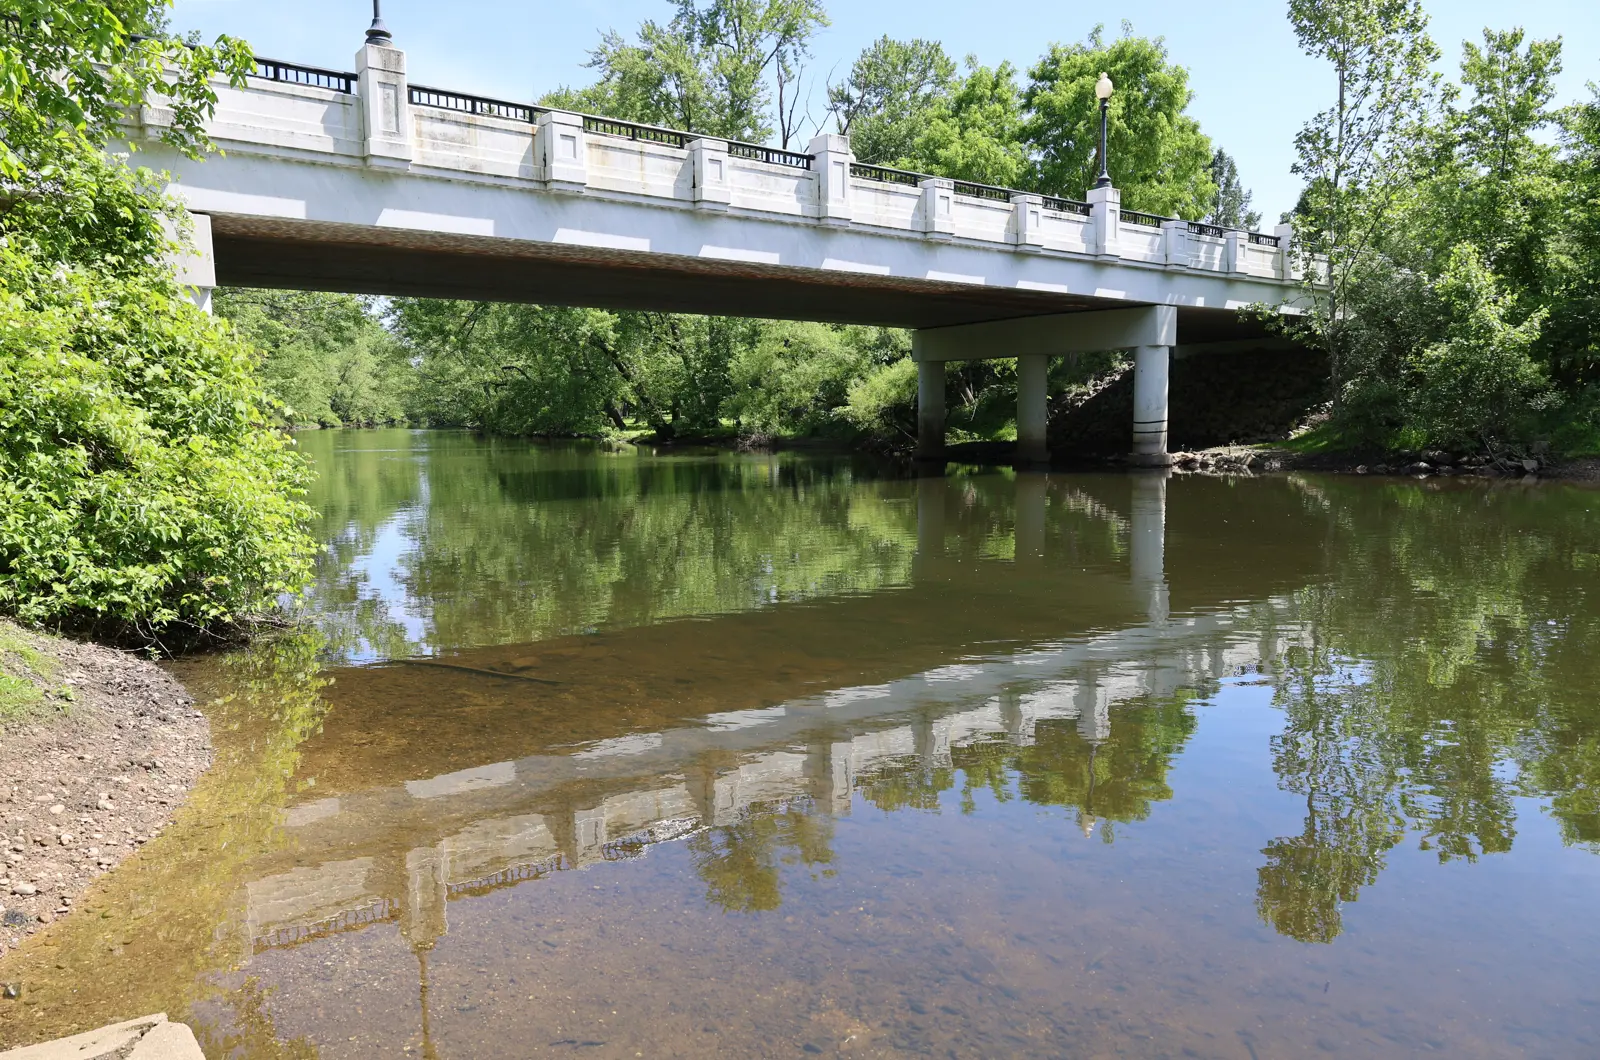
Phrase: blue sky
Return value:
(1253, 88)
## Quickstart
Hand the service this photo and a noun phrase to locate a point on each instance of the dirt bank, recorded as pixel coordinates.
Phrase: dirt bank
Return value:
(97, 750)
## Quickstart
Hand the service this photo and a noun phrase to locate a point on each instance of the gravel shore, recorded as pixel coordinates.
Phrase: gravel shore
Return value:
(94, 771)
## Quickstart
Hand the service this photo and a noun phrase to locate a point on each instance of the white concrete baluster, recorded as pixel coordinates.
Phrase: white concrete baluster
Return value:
(1238, 252)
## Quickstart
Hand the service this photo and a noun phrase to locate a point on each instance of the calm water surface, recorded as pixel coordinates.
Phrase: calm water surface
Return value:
(614, 754)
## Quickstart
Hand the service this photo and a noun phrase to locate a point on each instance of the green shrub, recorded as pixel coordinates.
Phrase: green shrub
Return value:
(142, 491)
(1478, 385)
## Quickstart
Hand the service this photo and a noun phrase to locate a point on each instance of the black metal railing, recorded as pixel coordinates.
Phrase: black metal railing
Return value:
(1149, 220)
(294, 74)
(632, 131)
(1082, 209)
(983, 191)
(1200, 229)
(1264, 241)
(885, 175)
(465, 104)
(771, 155)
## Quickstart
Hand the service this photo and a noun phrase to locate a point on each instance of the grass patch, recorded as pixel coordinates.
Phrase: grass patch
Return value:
(27, 677)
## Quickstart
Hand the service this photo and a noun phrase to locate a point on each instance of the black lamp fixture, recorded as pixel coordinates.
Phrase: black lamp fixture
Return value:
(378, 33)
(1102, 90)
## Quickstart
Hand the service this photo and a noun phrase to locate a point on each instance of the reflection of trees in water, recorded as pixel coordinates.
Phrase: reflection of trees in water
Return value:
(1445, 670)
(740, 862)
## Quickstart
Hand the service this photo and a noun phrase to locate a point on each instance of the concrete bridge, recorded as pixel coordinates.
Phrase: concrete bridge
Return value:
(361, 181)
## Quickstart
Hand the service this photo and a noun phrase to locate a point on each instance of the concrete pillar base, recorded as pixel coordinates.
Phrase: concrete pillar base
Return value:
(1150, 459)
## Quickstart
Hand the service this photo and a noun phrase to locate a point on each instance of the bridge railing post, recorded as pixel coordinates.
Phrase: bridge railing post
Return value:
(1026, 223)
(563, 150)
(385, 105)
(830, 162)
(1238, 251)
(1105, 207)
(709, 158)
(1288, 268)
(1176, 237)
(936, 211)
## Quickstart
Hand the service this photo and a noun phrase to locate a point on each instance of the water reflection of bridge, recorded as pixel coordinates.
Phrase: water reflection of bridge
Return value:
(598, 775)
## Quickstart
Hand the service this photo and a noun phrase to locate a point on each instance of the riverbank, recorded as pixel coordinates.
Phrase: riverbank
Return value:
(98, 748)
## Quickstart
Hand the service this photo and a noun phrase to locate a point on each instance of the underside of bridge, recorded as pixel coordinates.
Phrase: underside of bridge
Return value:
(309, 255)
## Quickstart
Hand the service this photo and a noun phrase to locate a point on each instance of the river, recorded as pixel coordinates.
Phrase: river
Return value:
(583, 751)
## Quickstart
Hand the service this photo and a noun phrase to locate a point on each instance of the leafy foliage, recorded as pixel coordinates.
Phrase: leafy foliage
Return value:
(142, 491)
(1159, 158)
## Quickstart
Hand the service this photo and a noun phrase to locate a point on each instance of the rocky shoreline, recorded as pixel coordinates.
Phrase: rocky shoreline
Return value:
(90, 775)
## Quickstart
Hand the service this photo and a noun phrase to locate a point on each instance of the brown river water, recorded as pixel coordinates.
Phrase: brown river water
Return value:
(620, 754)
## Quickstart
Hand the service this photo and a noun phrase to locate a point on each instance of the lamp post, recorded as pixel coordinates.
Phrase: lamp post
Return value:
(378, 33)
(1102, 91)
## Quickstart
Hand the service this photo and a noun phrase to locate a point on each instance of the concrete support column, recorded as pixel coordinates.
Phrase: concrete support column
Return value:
(930, 410)
(1150, 404)
(1147, 544)
(1033, 408)
(1030, 517)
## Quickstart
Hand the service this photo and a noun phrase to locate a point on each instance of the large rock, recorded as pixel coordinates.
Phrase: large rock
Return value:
(146, 1038)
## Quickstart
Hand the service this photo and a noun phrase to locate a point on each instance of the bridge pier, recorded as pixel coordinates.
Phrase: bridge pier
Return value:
(1033, 408)
(1150, 331)
(1150, 365)
(930, 410)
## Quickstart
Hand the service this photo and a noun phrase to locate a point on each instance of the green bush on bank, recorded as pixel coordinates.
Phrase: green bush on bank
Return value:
(141, 487)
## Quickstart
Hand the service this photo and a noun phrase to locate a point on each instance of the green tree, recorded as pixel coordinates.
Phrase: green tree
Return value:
(1231, 207)
(728, 68)
(143, 495)
(1358, 155)
(974, 133)
(1159, 158)
(884, 102)
(325, 358)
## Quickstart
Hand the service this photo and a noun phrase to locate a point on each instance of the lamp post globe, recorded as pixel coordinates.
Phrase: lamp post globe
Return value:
(1102, 91)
